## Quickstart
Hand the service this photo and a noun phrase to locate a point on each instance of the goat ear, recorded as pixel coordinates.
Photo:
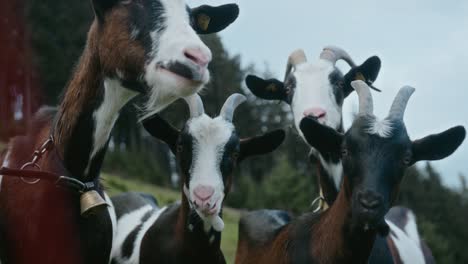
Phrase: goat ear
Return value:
(162, 130)
(261, 144)
(367, 72)
(438, 146)
(271, 89)
(101, 6)
(208, 19)
(323, 138)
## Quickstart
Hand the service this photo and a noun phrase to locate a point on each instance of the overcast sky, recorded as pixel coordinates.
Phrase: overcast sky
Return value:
(422, 43)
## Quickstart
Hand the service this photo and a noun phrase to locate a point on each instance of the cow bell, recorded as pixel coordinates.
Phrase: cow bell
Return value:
(90, 201)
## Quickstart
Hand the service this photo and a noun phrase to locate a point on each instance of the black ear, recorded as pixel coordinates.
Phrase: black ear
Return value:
(367, 72)
(101, 6)
(208, 19)
(261, 144)
(323, 138)
(163, 131)
(271, 89)
(438, 146)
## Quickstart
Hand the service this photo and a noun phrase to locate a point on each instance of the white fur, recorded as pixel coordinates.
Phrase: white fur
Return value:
(126, 225)
(115, 97)
(6, 163)
(335, 170)
(411, 228)
(210, 137)
(313, 90)
(113, 217)
(409, 250)
(169, 45)
(382, 128)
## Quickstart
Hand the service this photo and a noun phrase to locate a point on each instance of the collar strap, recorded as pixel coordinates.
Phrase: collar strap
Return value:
(59, 180)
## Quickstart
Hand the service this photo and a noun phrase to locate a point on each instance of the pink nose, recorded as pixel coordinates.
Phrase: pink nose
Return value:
(197, 56)
(202, 194)
(315, 112)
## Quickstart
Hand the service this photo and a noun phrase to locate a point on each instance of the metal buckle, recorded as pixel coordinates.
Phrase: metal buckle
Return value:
(320, 205)
(32, 164)
(36, 156)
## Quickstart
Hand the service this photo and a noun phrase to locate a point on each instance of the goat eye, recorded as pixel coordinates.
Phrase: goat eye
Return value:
(180, 148)
(344, 152)
(340, 84)
(235, 155)
(407, 159)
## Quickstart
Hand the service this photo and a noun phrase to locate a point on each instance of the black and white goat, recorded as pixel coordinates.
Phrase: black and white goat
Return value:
(318, 89)
(207, 151)
(375, 155)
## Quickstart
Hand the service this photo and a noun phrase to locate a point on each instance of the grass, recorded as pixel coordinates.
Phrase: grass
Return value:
(115, 185)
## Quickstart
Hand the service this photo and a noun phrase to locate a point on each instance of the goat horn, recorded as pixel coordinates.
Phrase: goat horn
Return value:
(366, 105)
(227, 112)
(397, 111)
(195, 105)
(297, 57)
(333, 54)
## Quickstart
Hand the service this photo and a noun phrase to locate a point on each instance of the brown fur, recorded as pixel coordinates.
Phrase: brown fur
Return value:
(43, 211)
(108, 48)
(331, 235)
(82, 88)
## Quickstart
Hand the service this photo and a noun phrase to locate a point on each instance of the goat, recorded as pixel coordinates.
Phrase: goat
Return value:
(318, 89)
(375, 156)
(311, 95)
(207, 150)
(148, 48)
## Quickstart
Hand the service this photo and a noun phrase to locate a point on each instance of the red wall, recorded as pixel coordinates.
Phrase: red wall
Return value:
(17, 76)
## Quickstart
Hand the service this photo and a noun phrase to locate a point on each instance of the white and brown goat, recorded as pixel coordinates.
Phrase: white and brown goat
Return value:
(142, 47)
(207, 151)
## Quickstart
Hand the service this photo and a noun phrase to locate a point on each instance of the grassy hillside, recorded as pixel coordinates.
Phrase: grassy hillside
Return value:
(115, 185)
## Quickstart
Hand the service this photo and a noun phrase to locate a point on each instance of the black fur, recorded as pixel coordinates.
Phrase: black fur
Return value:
(220, 17)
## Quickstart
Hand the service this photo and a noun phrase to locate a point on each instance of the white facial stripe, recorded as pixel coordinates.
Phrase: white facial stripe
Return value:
(381, 128)
(210, 137)
(6, 163)
(115, 97)
(126, 225)
(313, 90)
(408, 249)
(169, 45)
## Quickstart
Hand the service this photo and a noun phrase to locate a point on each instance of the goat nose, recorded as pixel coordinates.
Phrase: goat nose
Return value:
(369, 199)
(203, 192)
(315, 112)
(198, 56)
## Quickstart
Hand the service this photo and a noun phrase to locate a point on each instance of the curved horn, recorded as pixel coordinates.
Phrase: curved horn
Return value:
(397, 111)
(227, 112)
(366, 104)
(195, 105)
(333, 54)
(297, 57)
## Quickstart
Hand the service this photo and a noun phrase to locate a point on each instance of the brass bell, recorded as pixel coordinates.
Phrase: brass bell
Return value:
(90, 201)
